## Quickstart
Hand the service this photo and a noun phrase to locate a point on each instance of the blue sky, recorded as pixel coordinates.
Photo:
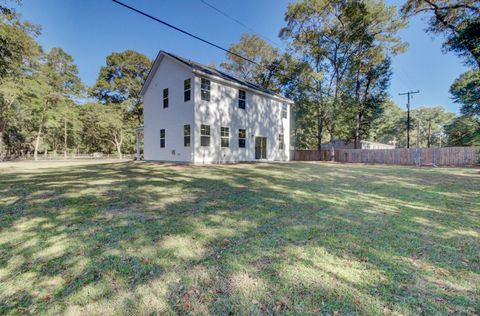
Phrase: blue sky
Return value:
(91, 29)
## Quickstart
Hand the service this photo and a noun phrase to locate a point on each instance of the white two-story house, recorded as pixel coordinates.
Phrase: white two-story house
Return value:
(198, 114)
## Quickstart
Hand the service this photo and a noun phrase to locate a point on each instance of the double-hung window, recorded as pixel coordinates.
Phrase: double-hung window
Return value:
(165, 98)
(205, 89)
(242, 99)
(204, 135)
(187, 89)
(281, 142)
(284, 110)
(162, 138)
(186, 135)
(242, 136)
(225, 136)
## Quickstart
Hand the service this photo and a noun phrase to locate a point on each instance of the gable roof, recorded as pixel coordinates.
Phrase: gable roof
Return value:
(209, 72)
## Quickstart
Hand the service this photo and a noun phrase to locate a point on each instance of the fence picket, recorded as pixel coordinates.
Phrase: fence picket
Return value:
(445, 156)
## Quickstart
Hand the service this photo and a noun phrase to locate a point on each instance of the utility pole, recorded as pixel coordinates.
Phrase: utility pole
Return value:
(408, 113)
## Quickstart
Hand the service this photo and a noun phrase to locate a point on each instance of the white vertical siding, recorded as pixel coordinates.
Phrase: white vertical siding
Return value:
(171, 75)
(262, 117)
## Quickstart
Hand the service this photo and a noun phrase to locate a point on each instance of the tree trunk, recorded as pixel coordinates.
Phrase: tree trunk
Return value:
(319, 135)
(119, 151)
(2, 128)
(1, 145)
(65, 139)
(356, 141)
(118, 144)
(37, 142)
(429, 135)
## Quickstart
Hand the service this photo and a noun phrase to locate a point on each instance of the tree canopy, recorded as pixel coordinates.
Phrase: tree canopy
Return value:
(336, 67)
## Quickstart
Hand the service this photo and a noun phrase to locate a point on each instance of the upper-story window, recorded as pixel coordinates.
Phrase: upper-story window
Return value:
(204, 135)
(162, 138)
(284, 110)
(242, 136)
(165, 98)
(205, 89)
(187, 89)
(242, 99)
(225, 136)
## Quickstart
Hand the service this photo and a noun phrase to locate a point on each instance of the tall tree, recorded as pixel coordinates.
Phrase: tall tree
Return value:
(466, 91)
(428, 125)
(118, 88)
(17, 42)
(120, 81)
(61, 76)
(458, 20)
(19, 60)
(103, 127)
(389, 127)
(267, 59)
(345, 43)
(463, 131)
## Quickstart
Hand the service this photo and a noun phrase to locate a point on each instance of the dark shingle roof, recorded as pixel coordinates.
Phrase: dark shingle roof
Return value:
(215, 72)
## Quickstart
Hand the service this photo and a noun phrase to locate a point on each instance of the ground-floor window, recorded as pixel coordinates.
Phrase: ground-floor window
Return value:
(186, 135)
(281, 141)
(162, 138)
(242, 136)
(225, 136)
(205, 135)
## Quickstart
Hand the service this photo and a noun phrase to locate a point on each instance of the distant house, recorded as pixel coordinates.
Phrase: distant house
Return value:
(341, 144)
(198, 114)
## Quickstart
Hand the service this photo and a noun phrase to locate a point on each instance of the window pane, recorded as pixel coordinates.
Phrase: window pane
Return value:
(241, 104)
(186, 130)
(205, 140)
(165, 98)
(162, 133)
(242, 133)
(205, 130)
(284, 110)
(186, 90)
(225, 142)
(225, 132)
(242, 138)
(205, 84)
(205, 95)
(186, 141)
(205, 89)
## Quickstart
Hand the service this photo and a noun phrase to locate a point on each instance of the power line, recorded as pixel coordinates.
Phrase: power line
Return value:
(408, 113)
(240, 23)
(184, 32)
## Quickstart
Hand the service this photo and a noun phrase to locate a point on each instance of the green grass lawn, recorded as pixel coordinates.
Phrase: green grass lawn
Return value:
(291, 238)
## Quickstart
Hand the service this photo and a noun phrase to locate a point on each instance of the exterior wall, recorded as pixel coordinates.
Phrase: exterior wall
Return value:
(262, 117)
(340, 144)
(171, 75)
(374, 145)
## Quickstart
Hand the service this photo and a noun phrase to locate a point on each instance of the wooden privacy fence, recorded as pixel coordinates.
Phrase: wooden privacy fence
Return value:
(445, 156)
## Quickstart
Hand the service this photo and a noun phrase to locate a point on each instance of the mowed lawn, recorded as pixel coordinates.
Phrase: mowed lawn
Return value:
(266, 238)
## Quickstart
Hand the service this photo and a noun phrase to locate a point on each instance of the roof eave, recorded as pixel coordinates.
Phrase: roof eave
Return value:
(238, 85)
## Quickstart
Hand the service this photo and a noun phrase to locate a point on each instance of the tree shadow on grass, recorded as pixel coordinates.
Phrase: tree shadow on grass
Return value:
(248, 239)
